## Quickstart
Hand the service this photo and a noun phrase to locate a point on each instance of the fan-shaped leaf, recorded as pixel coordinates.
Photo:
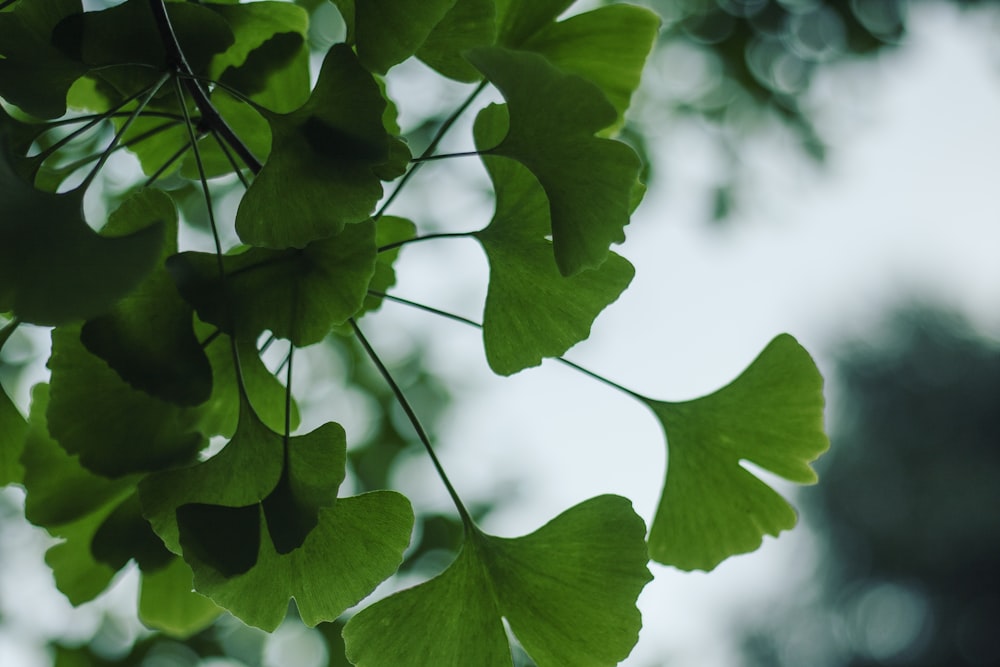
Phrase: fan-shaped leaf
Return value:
(467, 25)
(771, 416)
(532, 311)
(568, 591)
(167, 602)
(589, 181)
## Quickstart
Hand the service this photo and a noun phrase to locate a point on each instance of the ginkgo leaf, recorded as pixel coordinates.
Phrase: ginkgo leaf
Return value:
(253, 25)
(148, 337)
(320, 174)
(771, 416)
(13, 428)
(607, 46)
(168, 603)
(388, 230)
(588, 180)
(53, 267)
(567, 590)
(387, 32)
(467, 25)
(34, 74)
(296, 294)
(137, 432)
(518, 20)
(532, 311)
(124, 535)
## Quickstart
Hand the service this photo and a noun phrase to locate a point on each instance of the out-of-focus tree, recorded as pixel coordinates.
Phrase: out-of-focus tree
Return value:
(907, 519)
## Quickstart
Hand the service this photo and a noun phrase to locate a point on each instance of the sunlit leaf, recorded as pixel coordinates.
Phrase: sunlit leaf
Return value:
(34, 75)
(771, 416)
(168, 603)
(588, 180)
(148, 337)
(567, 590)
(113, 428)
(296, 294)
(387, 32)
(532, 311)
(320, 174)
(467, 25)
(53, 267)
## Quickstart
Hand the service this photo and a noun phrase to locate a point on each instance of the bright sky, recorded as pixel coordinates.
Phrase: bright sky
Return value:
(907, 206)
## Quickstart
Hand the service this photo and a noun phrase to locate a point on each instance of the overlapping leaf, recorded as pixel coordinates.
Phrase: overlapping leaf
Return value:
(588, 180)
(771, 416)
(167, 602)
(532, 311)
(321, 174)
(147, 337)
(113, 428)
(53, 267)
(568, 592)
(467, 25)
(295, 294)
(387, 32)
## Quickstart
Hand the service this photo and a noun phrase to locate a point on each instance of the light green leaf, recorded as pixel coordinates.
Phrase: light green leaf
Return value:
(467, 25)
(588, 180)
(567, 590)
(113, 428)
(387, 32)
(253, 25)
(607, 46)
(296, 294)
(245, 122)
(168, 603)
(771, 416)
(518, 20)
(321, 171)
(148, 337)
(532, 311)
(53, 267)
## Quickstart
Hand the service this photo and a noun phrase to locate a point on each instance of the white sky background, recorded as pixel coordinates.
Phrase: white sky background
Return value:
(908, 205)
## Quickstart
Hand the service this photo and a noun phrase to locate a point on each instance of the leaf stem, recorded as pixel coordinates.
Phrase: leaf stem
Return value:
(431, 147)
(426, 237)
(211, 117)
(472, 323)
(415, 421)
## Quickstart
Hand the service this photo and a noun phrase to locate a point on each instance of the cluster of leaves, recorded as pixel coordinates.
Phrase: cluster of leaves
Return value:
(155, 348)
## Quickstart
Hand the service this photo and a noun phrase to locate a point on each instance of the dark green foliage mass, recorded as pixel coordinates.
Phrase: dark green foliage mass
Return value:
(167, 432)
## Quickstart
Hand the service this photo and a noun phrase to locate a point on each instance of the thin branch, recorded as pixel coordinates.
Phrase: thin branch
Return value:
(427, 237)
(415, 421)
(472, 323)
(211, 117)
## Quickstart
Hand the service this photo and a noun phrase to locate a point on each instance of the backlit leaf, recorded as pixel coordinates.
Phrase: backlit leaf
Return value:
(588, 180)
(712, 507)
(168, 603)
(567, 590)
(532, 311)
(467, 25)
(518, 20)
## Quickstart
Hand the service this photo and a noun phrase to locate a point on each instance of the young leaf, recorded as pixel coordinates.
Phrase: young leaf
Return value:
(467, 25)
(34, 75)
(568, 591)
(771, 416)
(113, 428)
(320, 175)
(167, 602)
(148, 337)
(53, 267)
(588, 180)
(296, 294)
(532, 311)
(387, 32)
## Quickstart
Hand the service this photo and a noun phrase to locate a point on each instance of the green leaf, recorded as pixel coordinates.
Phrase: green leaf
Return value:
(568, 592)
(321, 171)
(518, 20)
(387, 32)
(467, 25)
(388, 230)
(113, 428)
(252, 26)
(167, 602)
(13, 427)
(34, 75)
(124, 535)
(588, 180)
(248, 125)
(148, 337)
(771, 416)
(53, 267)
(607, 46)
(296, 294)
(532, 311)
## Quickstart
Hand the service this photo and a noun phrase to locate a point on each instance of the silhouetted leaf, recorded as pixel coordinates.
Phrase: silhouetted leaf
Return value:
(532, 311)
(567, 590)
(712, 507)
